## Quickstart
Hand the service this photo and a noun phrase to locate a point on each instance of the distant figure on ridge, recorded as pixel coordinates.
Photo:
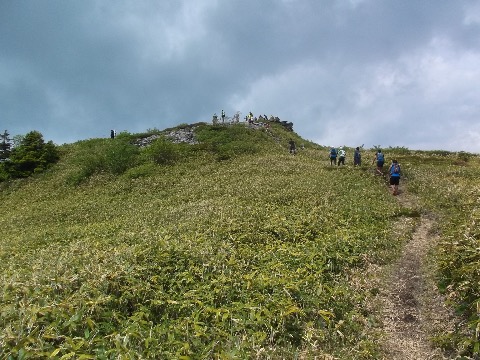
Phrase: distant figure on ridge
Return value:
(249, 117)
(293, 148)
(112, 134)
(223, 116)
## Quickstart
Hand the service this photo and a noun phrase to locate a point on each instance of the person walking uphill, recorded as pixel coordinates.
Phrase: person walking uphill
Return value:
(341, 156)
(394, 176)
(357, 157)
(380, 159)
(333, 156)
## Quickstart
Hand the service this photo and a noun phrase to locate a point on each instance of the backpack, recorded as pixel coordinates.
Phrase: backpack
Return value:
(333, 152)
(396, 169)
(380, 157)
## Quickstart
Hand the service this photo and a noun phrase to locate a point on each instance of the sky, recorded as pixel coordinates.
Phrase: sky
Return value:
(344, 72)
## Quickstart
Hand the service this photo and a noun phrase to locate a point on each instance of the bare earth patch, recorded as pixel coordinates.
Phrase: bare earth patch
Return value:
(413, 310)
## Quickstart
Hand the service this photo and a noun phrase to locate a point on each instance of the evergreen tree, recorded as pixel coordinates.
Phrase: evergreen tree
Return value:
(31, 156)
(5, 145)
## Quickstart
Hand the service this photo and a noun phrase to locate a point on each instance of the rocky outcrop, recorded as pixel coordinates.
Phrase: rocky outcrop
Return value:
(184, 135)
(143, 142)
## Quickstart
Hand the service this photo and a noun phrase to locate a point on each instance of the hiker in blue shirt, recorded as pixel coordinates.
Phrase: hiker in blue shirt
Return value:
(380, 159)
(333, 156)
(394, 176)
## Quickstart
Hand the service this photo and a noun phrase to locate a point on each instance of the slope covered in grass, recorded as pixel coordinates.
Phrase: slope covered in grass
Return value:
(448, 186)
(229, 248)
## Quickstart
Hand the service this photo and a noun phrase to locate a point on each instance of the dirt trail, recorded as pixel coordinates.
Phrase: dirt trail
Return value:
(413, 310)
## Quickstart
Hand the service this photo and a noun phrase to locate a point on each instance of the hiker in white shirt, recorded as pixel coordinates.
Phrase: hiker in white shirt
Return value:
(341, 156)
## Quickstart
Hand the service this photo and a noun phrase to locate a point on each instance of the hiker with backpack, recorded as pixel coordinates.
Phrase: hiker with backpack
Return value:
(394, 176)
(357, 157)
(333, 156)
(380, 159)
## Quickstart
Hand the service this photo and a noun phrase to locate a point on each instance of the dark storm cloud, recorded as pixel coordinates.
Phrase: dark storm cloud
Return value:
(345, 72)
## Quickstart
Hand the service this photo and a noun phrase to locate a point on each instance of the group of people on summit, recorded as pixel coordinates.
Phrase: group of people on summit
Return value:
(379, 160)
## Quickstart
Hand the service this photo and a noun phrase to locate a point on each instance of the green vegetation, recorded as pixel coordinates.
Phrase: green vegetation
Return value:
(33, 155)
(448, 185)
(230, 248)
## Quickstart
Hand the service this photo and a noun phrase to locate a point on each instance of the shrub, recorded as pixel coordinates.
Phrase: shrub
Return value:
(161, 152)
(229, 141)
(4, 175)
(114, 156)
(464, 156)
(120, 155)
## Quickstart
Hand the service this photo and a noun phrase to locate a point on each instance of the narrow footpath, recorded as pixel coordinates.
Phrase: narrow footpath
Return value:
(413, 309)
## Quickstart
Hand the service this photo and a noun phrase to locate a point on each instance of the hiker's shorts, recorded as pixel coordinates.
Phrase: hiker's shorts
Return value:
(394, 180)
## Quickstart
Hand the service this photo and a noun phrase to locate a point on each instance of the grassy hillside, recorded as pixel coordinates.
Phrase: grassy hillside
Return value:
(227, 249)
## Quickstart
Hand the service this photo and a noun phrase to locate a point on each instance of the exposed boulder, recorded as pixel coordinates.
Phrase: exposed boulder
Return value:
(184, 135)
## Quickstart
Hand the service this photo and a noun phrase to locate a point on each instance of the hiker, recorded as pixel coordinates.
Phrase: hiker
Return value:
(112, 134)
(223, 116)
(293, 149)
(357, 157)
(333, 156)
(250, 117)
(341, 156)
(394, 176)
(380, 159)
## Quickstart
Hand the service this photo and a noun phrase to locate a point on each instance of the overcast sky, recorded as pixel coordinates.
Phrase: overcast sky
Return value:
(345, 72)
